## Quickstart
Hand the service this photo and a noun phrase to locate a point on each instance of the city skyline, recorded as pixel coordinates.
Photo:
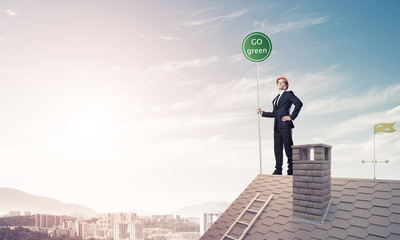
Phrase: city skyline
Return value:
(151, 105)
(115, 226)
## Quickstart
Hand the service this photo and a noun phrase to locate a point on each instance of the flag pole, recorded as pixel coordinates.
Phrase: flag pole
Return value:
(374, 156)
(258, 119)
(380, 127)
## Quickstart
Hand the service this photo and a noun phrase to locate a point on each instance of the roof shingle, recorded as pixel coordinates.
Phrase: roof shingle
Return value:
(360, 209)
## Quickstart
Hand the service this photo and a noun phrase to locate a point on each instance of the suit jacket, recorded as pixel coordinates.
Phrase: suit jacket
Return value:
(285, 102)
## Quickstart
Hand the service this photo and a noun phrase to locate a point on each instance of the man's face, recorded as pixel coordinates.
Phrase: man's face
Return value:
(281, 84)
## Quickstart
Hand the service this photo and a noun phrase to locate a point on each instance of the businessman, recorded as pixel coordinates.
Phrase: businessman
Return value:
(283, 123)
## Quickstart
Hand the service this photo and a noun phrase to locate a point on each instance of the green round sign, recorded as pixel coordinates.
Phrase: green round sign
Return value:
(256, 47)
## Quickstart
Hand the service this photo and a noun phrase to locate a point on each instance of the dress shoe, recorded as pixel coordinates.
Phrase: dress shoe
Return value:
(277, 172)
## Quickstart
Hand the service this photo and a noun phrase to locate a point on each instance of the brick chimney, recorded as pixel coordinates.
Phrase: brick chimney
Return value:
(311, 182)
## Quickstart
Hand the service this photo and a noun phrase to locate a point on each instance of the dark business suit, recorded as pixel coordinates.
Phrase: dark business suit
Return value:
(283, 130)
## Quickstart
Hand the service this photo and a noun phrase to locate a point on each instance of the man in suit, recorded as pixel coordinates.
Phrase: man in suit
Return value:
(283, 123)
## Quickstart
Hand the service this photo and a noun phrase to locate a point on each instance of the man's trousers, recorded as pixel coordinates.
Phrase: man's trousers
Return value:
(283, 138)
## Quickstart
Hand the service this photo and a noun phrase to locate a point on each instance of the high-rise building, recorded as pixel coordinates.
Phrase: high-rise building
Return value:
(46, 221)
(49, 221)
(136, 231)
(14, 213)
(207, 220)
(121, 231)
(78, 228)
(40, 221)
(70, 225)
(86, 230)
(128, 231)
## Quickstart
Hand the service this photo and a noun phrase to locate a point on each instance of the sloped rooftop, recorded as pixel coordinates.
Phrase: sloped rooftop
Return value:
(360, 209)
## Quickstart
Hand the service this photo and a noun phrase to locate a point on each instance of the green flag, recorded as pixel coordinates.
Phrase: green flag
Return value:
(384, 127)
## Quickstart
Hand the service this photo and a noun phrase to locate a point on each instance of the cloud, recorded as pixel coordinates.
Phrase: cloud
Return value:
(323, 80)
(11, 13)
(235, 58)
(216, 19)
(287, 26)
(180, 105)
(117, 68)
(171, 69)
(211, 24)
(365, 122)
(204, 10)
(353, 141)
(176, 66)
(231, 95)
(295, 8)
(334, 92)
(341, 102)
(168, 38)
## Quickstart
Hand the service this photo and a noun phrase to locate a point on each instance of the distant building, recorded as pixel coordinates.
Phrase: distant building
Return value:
(128, 231)
(70, 225)
(163, 218)
(126, 226)
(207, 220)
(103, 232)
(47, 221)
(78, 216)
(40, 221)
(110, 219)
(50, 221)
(78, 228)
(14, 213)
(62, 232)
(121, 231)
(189, 235)
(85, 230)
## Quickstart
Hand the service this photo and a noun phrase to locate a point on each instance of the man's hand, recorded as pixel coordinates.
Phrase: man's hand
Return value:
(259, 111)
(286, 118)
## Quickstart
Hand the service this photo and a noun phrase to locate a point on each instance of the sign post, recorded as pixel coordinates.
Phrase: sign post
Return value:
(257, 47)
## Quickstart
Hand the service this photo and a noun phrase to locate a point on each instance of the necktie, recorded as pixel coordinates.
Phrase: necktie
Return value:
(276, 100)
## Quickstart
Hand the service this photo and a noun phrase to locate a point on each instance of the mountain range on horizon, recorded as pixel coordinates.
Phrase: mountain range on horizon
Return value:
(16, 200)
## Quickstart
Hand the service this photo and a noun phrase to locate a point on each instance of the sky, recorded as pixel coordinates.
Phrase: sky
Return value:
(124, 105)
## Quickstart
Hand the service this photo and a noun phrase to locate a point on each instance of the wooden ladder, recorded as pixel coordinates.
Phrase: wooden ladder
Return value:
(249, 225)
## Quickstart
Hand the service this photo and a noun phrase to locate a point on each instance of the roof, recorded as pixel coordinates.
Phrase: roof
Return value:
(360, 209)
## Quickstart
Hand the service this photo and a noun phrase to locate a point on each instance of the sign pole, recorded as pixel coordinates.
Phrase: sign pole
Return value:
(257, 47)
(258, 118)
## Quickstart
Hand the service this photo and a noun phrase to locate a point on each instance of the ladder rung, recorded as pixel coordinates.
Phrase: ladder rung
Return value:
(250, 210)
(227, 236)
(249, 225)
(243, 223)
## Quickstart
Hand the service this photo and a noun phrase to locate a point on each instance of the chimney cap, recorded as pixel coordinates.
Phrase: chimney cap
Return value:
(312, 145)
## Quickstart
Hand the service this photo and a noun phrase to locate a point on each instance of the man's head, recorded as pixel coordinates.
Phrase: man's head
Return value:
(283, 83)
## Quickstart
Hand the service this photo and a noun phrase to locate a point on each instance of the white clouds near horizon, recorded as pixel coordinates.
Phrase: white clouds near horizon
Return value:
(169, 38)
(332, 91)
(214, 20)
(272, 29)
(365, 123)
(11, 13)
(205, 10)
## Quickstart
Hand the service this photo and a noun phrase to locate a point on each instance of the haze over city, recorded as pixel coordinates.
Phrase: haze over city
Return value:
(124, 105)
